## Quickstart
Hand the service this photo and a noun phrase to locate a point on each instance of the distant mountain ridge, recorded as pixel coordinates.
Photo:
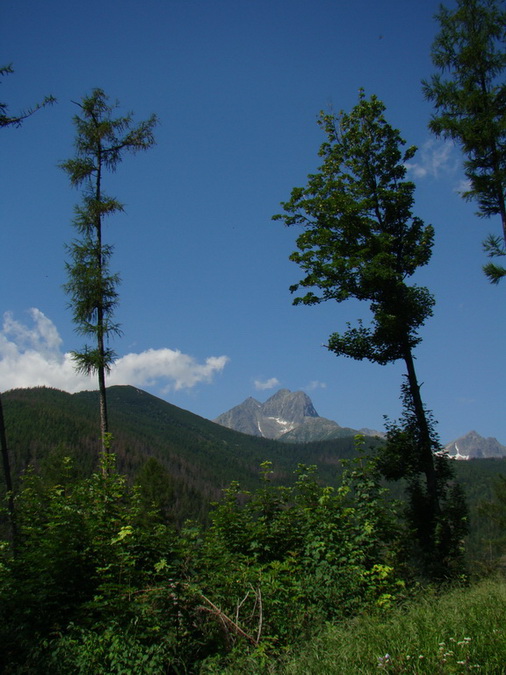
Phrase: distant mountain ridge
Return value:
(474, 446)
(286, 416)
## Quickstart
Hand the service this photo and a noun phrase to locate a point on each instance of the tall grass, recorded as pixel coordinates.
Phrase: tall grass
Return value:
(461, 631)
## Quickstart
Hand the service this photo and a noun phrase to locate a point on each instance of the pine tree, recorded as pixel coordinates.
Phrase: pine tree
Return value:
(101, 142)
(469, 96)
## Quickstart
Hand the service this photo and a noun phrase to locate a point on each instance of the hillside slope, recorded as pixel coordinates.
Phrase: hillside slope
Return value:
(200, 457)
(196, 457)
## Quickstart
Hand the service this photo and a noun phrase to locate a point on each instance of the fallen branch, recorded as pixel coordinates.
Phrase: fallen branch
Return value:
(227, 621)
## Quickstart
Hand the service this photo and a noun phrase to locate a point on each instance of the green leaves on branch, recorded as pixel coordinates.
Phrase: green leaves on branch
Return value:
(494, 247)
(469, 97)
(360, 238)
(310, 552)
(101, 139)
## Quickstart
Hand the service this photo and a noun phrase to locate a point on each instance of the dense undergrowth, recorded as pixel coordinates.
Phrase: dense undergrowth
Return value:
(98, 582)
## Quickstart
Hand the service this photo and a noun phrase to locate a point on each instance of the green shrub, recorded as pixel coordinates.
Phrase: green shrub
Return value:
(278, 562)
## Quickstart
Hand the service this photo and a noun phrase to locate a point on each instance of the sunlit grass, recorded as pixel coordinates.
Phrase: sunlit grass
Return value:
(460, 632)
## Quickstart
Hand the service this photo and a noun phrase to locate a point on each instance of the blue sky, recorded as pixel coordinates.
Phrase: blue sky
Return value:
(204, 306)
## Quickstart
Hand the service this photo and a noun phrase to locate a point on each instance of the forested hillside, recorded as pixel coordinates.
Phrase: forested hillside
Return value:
(191, 459)
(195, 457)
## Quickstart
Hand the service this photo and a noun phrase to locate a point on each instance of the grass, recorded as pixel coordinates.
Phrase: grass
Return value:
(462, 631)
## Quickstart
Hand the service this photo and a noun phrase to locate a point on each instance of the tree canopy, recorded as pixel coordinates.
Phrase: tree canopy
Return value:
(360, 239)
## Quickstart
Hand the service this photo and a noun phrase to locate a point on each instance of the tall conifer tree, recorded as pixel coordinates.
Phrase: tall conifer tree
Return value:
(469, 96)
(101, 141)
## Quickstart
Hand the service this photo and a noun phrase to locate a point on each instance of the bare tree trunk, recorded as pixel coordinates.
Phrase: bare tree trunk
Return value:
(426, 441)
(104, 419)
(8, 477)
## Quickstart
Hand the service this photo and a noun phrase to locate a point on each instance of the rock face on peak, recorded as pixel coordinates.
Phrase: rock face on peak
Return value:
(286, 415)
(243, 417)
(474, 446)
(293, 406)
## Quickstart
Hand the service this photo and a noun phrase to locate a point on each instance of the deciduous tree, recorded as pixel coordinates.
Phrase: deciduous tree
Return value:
(101, 141)
(361, 241)
(469, 96)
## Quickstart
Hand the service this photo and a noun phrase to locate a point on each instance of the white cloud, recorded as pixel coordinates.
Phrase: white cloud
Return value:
(316, 384)
(435, 157)
(153, 365)
(32, 356)
(266, 384)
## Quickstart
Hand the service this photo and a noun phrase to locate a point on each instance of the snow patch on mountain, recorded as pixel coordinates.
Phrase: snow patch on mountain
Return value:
(287, 416)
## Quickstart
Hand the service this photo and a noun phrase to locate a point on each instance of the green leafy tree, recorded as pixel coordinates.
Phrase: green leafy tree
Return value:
(361, 241)
(469, 96)
(101, 141)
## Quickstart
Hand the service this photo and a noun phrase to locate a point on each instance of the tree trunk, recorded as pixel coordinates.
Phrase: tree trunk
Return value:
(426, 442)
(8, 477)
(104, 420)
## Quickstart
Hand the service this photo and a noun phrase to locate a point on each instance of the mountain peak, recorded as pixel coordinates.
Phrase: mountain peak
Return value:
(283, 414)
(290, 406)
(474, 446)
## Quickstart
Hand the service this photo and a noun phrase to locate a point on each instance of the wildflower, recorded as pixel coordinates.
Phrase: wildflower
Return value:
(383, 661)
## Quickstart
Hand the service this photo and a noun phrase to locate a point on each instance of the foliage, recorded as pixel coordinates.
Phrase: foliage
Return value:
(361, 241)
(88, 556)
(101, 141)
(101, 584)
(469, 96)
(437, 548)
(280, 561)
(360, 238)
(100, 581)
(490, 526)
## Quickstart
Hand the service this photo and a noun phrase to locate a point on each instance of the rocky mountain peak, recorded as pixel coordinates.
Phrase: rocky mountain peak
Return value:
(292, 407)
(285, 414)
(474, 446)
